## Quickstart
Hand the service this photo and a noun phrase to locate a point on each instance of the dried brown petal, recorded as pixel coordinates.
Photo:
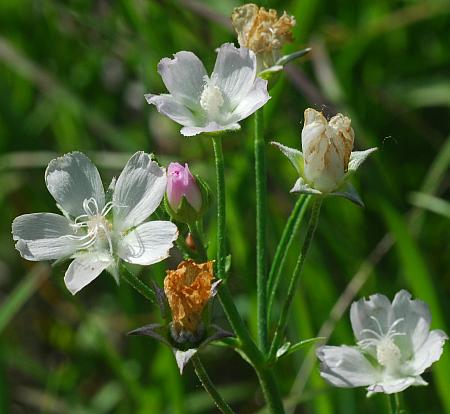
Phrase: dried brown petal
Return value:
(262, 31)
(188, 289)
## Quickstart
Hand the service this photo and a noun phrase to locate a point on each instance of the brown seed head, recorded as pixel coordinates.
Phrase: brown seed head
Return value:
(188, 289)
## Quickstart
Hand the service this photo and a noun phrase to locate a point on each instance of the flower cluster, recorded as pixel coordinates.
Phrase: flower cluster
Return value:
(100, 230)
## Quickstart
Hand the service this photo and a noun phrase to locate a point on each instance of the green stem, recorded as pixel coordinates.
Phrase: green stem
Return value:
(137, 284)
(261, 219)
(249, 348)
(279, 332)
(290, 233)
(198, 240)
(210, 388)
(398, 404)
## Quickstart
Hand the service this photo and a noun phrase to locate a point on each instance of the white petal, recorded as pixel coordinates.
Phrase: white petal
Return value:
(393, 386)
(184, 77)
(430, 352)
(210, 127)
(41, 236)
(252, 101)
(148, 243)
(73, 178)
(167, 105)
(363, 312)
(138, 191)
(84, 269)
(234, 72)
(415, 325)
(345, 366)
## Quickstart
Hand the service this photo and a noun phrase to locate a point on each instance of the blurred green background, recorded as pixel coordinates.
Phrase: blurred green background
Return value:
(72, 77)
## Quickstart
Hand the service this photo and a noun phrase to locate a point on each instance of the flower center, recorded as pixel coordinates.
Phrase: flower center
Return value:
(211, 99)
(388, 354)
(95, 222)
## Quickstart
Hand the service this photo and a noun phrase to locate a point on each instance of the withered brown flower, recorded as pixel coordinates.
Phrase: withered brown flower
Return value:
(188, 290)
(262, 31)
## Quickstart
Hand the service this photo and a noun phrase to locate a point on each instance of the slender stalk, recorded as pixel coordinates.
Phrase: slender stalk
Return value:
(290, 233)
(265, 376)
(137, 284)
(390, 404)
(279, 332)
(210, 388)
(221, 220)
(398, 404)
(261, 218)
(199, 245)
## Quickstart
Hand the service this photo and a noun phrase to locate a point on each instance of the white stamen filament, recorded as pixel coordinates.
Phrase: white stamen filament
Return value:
(388, 353)
(96, 223)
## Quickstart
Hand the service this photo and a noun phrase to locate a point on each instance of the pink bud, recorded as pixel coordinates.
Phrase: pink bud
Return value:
(181, 183)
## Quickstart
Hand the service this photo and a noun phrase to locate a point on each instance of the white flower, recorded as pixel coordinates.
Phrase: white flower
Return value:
(394, 346)
(210, 104)
(327, 160)
(94, 232)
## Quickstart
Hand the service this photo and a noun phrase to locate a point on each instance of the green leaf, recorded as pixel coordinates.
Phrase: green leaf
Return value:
(23, 291)
(288, 348)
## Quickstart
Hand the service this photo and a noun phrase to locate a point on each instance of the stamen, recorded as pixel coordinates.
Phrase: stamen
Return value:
(371, 331)
(378, 324)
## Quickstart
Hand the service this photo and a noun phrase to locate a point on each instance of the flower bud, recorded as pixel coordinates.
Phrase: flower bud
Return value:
(263, 32)
(186, 196)
(188, 290)
(326, 149)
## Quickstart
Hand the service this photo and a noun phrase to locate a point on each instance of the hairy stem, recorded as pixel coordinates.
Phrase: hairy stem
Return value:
(137, 284)
(198, 240)
(290, 233)
(279, 332)
(210, 388)
(261, 219)
(248, 346)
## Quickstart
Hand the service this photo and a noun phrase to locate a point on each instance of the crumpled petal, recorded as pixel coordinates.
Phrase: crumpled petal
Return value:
(430, 351)
(234, 72)
(73, 178)
(345, 366)
(43, 236)
(256, 97)
(138, 191)
(184, 76)
(148, 243)
(393, 386)
(167, 105)
(84, 269)
(188, 131)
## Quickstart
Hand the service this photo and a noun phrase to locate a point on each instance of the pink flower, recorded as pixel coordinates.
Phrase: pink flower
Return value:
(181, 183)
